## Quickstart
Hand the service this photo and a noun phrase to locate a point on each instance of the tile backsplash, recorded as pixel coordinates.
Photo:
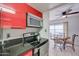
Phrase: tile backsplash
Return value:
(17, 33)
(1, 34)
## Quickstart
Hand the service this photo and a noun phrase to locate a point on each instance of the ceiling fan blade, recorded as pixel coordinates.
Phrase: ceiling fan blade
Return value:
(72, 13)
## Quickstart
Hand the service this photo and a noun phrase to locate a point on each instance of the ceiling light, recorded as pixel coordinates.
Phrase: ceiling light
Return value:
(64, 16)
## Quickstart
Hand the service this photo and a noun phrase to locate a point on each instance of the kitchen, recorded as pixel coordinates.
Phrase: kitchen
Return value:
(31, 30)
(20, 29)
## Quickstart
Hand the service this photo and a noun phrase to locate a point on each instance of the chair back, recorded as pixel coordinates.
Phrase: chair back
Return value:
(73, 37)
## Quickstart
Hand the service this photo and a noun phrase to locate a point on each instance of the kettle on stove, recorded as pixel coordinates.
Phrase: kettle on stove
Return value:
(38, 37)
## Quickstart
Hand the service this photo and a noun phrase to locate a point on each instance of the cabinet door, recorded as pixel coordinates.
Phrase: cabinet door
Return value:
(13, 20)
(27, 53)
(5, 20)
(44, 50)
(19, 20)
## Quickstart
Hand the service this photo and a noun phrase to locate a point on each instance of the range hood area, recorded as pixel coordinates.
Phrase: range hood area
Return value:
(22, 21)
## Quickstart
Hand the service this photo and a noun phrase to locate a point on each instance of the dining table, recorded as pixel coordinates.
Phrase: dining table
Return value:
(61, 40)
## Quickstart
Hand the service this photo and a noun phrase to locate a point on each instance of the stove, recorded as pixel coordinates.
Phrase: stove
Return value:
(32, 40)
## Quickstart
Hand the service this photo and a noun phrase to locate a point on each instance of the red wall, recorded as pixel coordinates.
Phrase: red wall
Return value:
(18, 20)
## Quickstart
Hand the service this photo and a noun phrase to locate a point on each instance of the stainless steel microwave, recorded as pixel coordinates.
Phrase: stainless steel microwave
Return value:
(33, 20)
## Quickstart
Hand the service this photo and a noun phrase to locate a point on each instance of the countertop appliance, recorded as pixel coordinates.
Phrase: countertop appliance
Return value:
(34, 21)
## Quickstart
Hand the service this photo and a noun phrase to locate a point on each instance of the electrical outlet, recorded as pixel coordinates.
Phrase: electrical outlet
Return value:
(8, 35)
(45, 30)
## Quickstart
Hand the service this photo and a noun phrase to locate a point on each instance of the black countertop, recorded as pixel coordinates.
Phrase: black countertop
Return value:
(17, 49)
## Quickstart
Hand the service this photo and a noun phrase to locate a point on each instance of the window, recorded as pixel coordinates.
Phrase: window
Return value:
(58, 30)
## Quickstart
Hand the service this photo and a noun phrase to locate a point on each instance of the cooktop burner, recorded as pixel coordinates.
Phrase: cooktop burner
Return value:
(35, 43)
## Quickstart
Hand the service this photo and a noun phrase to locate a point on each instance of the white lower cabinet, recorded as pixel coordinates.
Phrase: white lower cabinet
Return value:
(44, 49)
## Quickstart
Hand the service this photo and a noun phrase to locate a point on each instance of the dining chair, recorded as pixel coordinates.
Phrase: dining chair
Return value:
(70, 41)
(58, 42)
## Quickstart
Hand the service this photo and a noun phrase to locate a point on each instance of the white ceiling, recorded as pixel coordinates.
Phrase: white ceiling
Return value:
(44, 6)
(57, 13)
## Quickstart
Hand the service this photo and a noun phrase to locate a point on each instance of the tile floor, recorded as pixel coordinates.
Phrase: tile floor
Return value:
(57, 52)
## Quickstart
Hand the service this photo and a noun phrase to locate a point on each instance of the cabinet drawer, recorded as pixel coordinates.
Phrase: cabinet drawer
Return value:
(27, 53)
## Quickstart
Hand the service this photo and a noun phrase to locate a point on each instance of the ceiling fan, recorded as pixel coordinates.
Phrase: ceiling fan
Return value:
(68, 12)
